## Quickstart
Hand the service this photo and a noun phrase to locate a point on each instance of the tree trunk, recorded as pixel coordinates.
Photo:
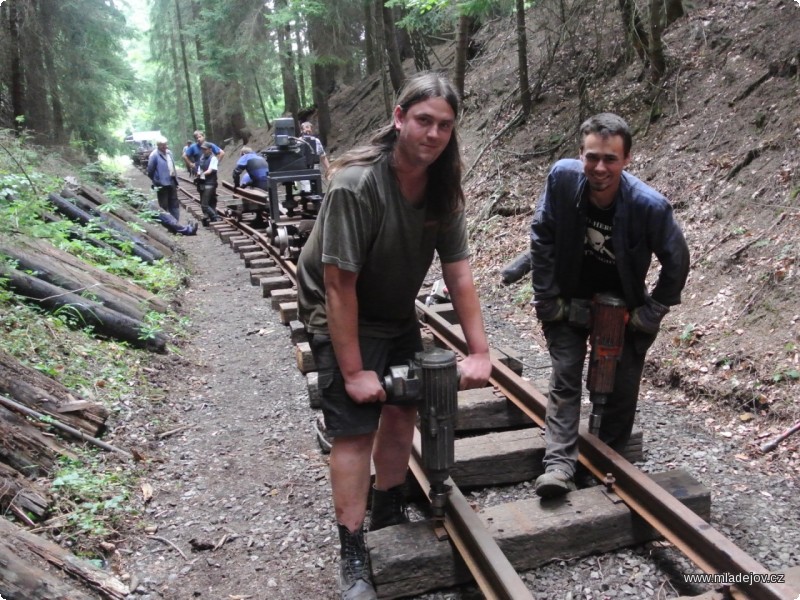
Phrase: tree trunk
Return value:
(634, 30)
(37, 112)
(42, 394)
(79, 215)
(58, 133)
(75, 268)
(17, 76)
(21, 494)
(205, 82)
(186, 77)
(26, 448)
(525, 99)
(156, 232)
(301, 79)
(462, 42)
(15, 539)
(658, 63)
(105, 321)
(390, 41)
(291, 99)
(321, 79)
(371, 38)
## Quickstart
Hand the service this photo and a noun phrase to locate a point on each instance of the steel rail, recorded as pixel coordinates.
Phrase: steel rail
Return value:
(491, 569)
(698, 540)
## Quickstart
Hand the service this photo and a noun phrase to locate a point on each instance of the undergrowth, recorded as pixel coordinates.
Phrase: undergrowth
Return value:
(89, 497)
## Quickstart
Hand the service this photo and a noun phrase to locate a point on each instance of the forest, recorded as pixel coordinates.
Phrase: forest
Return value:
(73, 72)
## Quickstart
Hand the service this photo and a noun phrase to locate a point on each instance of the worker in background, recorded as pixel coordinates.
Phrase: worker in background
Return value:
(194, 152)
(307, 133)
(391, 205)
(595, 230)
(207, 167)
(164, 178)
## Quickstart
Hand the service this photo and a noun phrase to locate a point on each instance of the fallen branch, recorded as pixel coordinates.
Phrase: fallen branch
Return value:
(168, 543)
(15, 406)
(773, 443)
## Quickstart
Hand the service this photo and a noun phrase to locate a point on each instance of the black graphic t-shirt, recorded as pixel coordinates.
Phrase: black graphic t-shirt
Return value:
(599, 269)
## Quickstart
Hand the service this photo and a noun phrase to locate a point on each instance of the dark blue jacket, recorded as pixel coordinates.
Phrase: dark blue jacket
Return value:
(158, 170)
(256, 166)
(643, 226)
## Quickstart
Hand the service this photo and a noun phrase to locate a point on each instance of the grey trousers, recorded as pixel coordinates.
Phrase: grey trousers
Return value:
(568, 348)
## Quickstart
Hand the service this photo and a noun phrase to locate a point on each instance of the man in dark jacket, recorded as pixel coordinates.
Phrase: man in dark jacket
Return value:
(161, 171)
(595, 230)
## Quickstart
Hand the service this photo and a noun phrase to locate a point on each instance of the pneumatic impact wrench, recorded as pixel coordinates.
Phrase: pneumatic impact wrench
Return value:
(431, 380)
(606, 338)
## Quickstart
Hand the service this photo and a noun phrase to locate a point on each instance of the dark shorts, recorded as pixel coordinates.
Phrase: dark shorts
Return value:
(342, 415)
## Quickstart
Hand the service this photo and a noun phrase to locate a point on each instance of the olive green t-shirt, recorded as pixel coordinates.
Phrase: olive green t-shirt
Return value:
(367, 227)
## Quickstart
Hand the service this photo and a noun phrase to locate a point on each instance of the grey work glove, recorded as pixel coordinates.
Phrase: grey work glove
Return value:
(553, 309)
(647, 318)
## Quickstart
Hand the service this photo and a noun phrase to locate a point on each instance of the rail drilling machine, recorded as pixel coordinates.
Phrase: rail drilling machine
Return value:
(291, 215)
(431, 380)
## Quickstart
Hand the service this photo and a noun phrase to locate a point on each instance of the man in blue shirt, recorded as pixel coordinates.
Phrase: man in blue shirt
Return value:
(194, 152)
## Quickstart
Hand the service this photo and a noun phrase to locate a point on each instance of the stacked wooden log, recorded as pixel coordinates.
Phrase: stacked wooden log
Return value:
(55, 279)
(34, 407)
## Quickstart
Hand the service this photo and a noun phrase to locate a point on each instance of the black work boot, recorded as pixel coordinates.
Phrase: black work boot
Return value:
(388, 508)
(355, 579)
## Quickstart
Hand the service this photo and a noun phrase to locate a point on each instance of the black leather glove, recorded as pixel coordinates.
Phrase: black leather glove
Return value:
(553, 309)
(647, 318)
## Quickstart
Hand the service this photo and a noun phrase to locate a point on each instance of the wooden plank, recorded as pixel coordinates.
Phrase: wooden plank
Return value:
(506, 457)
(261, 263)
(250, 257)
(407, 560)
(312, 384)
(298, 332)
(242, 250)
(239, 241)
(304, 358)
(288, 312)
(483, 409)
(274, 283)
(256, 275)
(282, 295)
(498, 458)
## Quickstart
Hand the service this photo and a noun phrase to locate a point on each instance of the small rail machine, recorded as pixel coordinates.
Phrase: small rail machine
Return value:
(431, 379)
(291, 217)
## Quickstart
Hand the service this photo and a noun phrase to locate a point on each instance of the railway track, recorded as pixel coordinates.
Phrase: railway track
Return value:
(494, 571)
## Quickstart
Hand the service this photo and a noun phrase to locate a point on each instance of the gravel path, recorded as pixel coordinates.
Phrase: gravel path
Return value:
(241, 505)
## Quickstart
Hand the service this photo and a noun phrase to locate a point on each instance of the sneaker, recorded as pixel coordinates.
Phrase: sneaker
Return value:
(553, 484)
(205, 221)
(193, 230)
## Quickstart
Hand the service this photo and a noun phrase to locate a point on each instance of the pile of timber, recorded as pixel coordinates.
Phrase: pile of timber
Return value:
(54, 279)
(32, 408)
(38, 414)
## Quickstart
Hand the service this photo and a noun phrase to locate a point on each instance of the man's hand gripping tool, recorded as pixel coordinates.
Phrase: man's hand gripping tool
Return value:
(431, 380)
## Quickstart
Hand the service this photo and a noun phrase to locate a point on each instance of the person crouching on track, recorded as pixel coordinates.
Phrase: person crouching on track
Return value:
(207, 184)
(390, 206)
(254, 166)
